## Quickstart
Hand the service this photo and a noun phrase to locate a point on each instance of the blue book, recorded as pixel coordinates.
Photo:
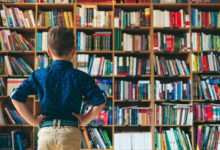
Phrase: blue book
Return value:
(90, 64)
(71, 1)
(50, 1)
(19, 141)
(214, 81)
(110, 114)
(39, 41)
(78, 40)
(15, 117)
(30, 1)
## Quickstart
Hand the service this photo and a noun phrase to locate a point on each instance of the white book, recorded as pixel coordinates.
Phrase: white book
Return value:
(8, 65)
(167, 18)
(115, 65)
(182, 20)
(32, 17)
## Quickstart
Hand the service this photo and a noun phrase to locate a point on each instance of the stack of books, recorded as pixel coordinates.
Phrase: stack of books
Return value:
(94, 66)
(55, 18)
(98, 41)
(132, 91)
(43, 61)
(173, 114)
(176, 90)
(12, 41)
(133, 141)
(173, 138)
(204, 18)
(206, 62)
(132, 115)
(17, 66)
(14, 17)
(205, 42)
(170, 67)
(171, 42)
(13, 83)
(90, 16)
(94, 138)
(206, 112)
(167, 18)
(132, 19)
(105, 85)
(131, 65)
(41, 41)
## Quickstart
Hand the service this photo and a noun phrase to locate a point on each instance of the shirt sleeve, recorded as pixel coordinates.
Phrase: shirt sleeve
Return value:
(94, 93)
(24, 90)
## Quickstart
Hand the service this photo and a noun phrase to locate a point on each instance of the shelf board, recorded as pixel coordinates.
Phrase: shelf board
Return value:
(132, 4)
(95, 3)
(178, 76)
(133, 28)
(171, 52)
(55, 4)
(102, 76)
(15, 125)
(47, 28)
(132, 101)
(207, 101)
(15, 76)
(170, 4)
(32, 96)
(129, 76)
(16, 52)
(95, 52)
(132, 52)
(172, 125)
(132, 126)
(204, 28)
(182, 100)
(18, 28)
(94, 28)
(170, 29)
(205, 72)
(195, 51)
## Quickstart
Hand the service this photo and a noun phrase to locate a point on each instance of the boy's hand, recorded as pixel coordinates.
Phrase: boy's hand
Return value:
(80, 118)
(38, 120)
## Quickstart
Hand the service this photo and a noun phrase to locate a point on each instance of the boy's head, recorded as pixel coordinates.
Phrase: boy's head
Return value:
(60, 42)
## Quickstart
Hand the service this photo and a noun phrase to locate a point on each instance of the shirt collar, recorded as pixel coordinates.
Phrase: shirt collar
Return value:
(63, 63)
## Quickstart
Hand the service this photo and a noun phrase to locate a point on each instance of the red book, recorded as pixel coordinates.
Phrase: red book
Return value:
(172, 19)
(130, 90)
(205, 63)
(172, 43)
(156, 42)
(207, 20)
(179, 23)
(203, 19)
(209, 111)
(169, 42)
(158, 114)
(105, 121)
(175, 19)
(197, 112)
(139, 66)
(217, 92)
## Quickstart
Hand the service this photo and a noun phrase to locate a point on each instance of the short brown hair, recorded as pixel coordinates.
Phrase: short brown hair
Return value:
(60, 41)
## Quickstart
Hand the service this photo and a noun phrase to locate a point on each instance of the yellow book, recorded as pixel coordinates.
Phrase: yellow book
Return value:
(70, 15)
(66, 19)
(195, 62)
(199, 133)
(165, 142)
(218, 43)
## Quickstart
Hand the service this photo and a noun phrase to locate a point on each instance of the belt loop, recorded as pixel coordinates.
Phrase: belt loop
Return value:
(54, 123)
(59, 122)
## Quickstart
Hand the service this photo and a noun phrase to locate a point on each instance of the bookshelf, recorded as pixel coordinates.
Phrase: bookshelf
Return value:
(30, 57)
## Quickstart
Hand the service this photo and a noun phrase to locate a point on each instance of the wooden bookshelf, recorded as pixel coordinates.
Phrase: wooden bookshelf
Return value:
(148, 53)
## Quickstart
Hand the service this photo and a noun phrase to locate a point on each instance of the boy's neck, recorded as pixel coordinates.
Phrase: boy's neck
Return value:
(64, 58)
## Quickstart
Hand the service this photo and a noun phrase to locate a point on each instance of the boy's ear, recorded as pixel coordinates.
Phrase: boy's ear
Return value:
(48, 52)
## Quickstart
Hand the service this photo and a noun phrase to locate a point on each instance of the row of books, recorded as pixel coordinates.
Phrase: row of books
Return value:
(15, 140)
(95, 138)
(205, 42)
(166, 18)
(90, 16)
(41, 41)
(176, 90)
(94, 65)
(132, 91)
(171, 42)
(43, 61)
(132, 115)
(55, 18)
(131, 65)
(132, 19)
(14, 17)
(105, 85)
(103, 118)
(16, 66)
(173, 114)
(13, 41)
(133, 141)
(131, 42)
(2, 87)
(206, 87)
(10, 116)
(204, 18)
(170, 67)
(173, 139)
(132, 1)
(206, 62)
(206, 112)
(207, 137)
(95, 41)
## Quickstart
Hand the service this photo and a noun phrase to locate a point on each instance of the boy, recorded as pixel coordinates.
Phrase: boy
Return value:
(60, 89)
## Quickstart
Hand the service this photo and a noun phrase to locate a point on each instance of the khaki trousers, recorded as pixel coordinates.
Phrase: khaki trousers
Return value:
(59, 138)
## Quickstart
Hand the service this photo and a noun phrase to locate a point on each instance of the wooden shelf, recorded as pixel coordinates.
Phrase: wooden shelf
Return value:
(178, 76)
(168, 125)
(171, 52)
(129, 76)
(132, 101)
(17, 52)
(94, 52)
(132, 52)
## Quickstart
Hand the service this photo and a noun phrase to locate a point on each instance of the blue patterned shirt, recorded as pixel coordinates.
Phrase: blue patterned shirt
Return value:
(60, 89)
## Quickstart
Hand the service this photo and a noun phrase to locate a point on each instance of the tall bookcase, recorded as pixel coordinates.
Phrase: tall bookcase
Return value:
(30, 56)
